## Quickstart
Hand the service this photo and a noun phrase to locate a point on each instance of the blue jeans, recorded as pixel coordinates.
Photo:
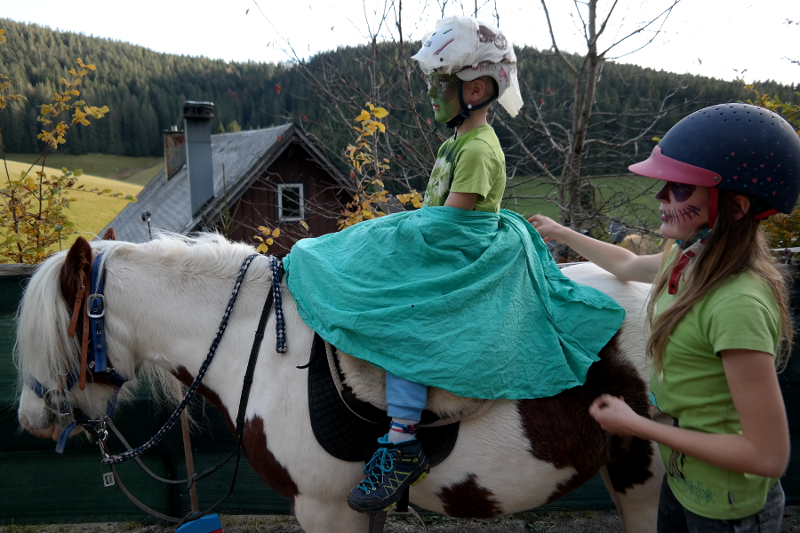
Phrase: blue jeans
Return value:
(405, 399)
(675, 518)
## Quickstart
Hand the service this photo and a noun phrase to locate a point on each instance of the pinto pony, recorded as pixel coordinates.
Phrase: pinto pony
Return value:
(164, 300)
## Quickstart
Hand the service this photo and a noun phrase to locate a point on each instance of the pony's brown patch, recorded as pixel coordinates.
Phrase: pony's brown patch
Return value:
(264, 463)
(632, 466)
(254, 443)
(467, 499)
(561, 431)
(186, 378)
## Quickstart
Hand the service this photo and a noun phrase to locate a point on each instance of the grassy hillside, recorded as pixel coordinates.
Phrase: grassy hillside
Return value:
(528, 197)
(91, 212)
(136, 170)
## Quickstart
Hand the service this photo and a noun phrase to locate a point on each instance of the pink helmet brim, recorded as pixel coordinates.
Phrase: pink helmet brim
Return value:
(665, 168)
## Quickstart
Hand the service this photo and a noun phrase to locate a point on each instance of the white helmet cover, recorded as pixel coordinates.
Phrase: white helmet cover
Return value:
(469, 48)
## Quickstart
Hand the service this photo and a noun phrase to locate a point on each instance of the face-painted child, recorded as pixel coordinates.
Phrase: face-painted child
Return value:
(443, 91)
(718, 332)
(684, 210)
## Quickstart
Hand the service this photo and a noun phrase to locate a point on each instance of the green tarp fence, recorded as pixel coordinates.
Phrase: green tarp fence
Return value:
(40, 486)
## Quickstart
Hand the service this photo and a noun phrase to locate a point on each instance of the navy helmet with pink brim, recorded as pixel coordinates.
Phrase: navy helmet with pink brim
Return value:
(738, 147)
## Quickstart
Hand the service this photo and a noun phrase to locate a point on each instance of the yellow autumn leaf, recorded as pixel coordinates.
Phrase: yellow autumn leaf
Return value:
(262, 248)
(303, 223)
(381, 126)
(379, 112)
(263, 229)
(363, 116)
(270, 241)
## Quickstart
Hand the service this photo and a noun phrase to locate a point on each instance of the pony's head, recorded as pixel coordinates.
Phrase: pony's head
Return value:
(48, 356)
(48, 352)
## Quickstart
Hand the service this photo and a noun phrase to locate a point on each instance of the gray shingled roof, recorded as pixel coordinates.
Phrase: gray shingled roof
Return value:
(245, 154)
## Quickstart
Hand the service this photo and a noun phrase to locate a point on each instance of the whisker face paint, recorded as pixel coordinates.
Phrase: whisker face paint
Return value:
(683, 215)
(684, 209)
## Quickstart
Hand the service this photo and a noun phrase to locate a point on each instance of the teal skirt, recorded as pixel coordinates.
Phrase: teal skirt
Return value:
(467, 301)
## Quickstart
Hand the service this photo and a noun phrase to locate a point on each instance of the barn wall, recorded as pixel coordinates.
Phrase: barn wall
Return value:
(259, 207)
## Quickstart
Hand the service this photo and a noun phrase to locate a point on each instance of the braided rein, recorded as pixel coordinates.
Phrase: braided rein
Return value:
(277, 271)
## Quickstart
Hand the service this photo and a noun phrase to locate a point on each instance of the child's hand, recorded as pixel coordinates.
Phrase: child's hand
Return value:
(614, 415)
(546, 227)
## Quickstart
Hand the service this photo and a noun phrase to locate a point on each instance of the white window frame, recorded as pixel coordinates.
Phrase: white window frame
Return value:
(300, 188)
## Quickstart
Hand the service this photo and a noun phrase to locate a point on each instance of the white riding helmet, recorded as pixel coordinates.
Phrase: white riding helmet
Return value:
(470, 48)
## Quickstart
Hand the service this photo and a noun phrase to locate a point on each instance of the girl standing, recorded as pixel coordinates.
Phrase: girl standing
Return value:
(719, 318)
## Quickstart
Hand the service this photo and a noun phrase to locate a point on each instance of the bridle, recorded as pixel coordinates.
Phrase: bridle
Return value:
(95, 360)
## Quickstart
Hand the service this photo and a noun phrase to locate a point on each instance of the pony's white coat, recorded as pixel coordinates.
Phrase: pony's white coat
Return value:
(164, 302)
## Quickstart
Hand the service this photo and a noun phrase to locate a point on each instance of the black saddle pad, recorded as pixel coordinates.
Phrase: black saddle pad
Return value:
(347, 436)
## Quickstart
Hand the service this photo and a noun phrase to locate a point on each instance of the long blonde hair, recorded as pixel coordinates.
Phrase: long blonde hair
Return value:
(733, 247)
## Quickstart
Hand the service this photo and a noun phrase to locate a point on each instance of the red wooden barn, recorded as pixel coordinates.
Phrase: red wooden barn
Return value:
(236, 182)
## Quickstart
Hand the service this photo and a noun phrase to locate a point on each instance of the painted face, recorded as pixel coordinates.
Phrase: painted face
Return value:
(443, 91)
(684, 210)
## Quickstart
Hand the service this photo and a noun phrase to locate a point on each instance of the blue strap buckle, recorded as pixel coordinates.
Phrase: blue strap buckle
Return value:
(92, 309)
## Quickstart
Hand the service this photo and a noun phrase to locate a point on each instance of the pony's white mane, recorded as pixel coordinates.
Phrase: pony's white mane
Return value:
(44, 347)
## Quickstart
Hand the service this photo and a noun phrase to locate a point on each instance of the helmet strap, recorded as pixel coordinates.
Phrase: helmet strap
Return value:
(466, 109)
(713, 204)
(690, 251)
(463, 114)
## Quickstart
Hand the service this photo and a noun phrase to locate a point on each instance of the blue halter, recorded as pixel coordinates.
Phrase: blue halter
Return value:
(97, 359)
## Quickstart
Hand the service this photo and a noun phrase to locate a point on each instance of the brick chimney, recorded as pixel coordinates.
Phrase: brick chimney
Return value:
(174, 150)
(197, 124)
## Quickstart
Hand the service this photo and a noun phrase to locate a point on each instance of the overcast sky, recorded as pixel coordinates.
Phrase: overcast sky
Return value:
(717, 38)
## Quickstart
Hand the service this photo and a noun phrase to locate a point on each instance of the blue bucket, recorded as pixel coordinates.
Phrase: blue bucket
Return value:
(207, 524)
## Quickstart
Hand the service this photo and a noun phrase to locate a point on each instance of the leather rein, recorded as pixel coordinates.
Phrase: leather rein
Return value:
(94, 360)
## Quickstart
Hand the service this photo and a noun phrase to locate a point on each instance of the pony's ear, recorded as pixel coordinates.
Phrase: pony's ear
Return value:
(109, 235)
(79, 260)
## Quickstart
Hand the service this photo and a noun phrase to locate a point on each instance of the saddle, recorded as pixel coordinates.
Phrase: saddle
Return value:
(347, 410)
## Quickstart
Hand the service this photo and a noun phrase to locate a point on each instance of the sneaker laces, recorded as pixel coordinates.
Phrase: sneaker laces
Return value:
(381, 463)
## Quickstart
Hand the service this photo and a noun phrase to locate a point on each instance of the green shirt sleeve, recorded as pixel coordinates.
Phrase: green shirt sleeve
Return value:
(747, 319)
(476, 169)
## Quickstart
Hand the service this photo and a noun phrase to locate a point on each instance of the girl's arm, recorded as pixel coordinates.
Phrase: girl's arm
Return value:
(762, 448)
(623, 263)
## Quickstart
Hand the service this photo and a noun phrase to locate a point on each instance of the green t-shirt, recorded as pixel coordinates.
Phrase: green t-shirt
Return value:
(742, 313)
(470, 163)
